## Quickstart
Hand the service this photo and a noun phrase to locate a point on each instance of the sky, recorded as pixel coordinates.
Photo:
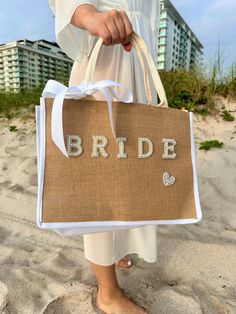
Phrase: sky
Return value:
(212, 21)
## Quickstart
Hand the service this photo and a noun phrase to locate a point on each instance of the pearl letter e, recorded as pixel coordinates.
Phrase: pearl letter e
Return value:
(169, 145)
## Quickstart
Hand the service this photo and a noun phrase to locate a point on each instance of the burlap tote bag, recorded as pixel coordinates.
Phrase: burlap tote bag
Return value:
(114, 164)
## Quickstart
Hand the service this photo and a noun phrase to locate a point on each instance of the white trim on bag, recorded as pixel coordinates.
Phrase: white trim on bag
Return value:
(99, 226)
(42, 127)
(195, 179)
(38, 135)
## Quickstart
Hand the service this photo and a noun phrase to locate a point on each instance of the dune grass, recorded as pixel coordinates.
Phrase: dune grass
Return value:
(194, 90)
(11, 103)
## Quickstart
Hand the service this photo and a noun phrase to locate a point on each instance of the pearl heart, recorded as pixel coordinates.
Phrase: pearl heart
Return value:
(168, 179)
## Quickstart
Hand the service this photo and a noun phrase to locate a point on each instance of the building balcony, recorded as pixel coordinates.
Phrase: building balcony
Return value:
(162, 41)
(163, 33)
(163, 24)
(161, 65)
(161, 49)
(161, 58)
(163, 15)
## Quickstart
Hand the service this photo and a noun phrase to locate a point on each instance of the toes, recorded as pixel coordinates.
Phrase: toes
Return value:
(125, 262)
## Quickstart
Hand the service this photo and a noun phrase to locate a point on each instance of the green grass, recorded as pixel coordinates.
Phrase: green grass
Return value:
(227, 116)
(206, 145)
(13, 128)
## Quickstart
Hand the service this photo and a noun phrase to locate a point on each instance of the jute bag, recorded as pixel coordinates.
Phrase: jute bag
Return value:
(114, 164)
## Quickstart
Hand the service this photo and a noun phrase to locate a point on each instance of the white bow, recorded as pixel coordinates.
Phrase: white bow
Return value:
(58, 91)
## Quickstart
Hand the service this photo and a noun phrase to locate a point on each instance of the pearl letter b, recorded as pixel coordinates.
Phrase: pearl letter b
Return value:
(74, 142)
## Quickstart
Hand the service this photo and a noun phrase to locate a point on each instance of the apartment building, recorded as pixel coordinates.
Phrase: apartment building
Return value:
(178, 46)
(26, 64)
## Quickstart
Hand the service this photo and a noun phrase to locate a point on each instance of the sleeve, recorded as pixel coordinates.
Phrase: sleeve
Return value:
(155, 23)
(75, 42)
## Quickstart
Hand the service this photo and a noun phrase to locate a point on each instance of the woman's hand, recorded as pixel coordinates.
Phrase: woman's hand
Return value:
(113, 26)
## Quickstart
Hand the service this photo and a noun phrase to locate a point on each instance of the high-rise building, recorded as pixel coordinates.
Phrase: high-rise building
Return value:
(26, 64)
(178, 47)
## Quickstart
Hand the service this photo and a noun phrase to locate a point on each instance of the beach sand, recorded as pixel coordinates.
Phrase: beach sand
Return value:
(42, 272)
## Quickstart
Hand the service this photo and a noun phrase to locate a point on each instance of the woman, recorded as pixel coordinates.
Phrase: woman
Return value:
(78, 25)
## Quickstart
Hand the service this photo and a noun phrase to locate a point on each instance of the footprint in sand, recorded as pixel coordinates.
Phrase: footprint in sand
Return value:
(5, 184)
(21, 190)
(3, 165)
(76, 301)
(210, 303)
(3, 296)
(10, 149)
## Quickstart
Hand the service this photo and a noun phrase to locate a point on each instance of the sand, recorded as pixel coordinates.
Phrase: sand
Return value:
(42, 272)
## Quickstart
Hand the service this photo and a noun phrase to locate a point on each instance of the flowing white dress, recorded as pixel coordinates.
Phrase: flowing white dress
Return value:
(106, 248)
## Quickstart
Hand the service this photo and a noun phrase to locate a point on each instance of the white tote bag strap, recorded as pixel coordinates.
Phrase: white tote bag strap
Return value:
(140, 47)
(138, 42)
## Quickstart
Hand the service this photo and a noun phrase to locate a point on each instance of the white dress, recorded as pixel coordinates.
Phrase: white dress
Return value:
(106, 248)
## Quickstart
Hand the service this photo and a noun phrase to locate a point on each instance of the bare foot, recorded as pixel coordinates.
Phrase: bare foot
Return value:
(125, 262)
(118, 304)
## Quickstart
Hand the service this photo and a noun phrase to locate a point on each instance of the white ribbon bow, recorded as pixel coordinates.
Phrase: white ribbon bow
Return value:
(58, 91)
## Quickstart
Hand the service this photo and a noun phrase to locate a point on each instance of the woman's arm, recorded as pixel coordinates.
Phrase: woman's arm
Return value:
(113, 26)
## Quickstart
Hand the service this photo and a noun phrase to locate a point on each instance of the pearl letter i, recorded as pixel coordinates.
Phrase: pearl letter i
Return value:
(121, 141)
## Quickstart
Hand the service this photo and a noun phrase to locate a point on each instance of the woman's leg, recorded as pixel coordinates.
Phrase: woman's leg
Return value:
(111, 298)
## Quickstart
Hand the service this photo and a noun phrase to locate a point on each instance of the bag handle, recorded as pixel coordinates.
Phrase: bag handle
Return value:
(146, 75)
(141, 48)
(140, 45)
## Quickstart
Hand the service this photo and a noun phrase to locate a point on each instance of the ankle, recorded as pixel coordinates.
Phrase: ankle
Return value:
(107, 295)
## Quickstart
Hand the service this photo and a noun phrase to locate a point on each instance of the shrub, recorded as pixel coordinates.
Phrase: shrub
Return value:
(227, 116)
(206, 145)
